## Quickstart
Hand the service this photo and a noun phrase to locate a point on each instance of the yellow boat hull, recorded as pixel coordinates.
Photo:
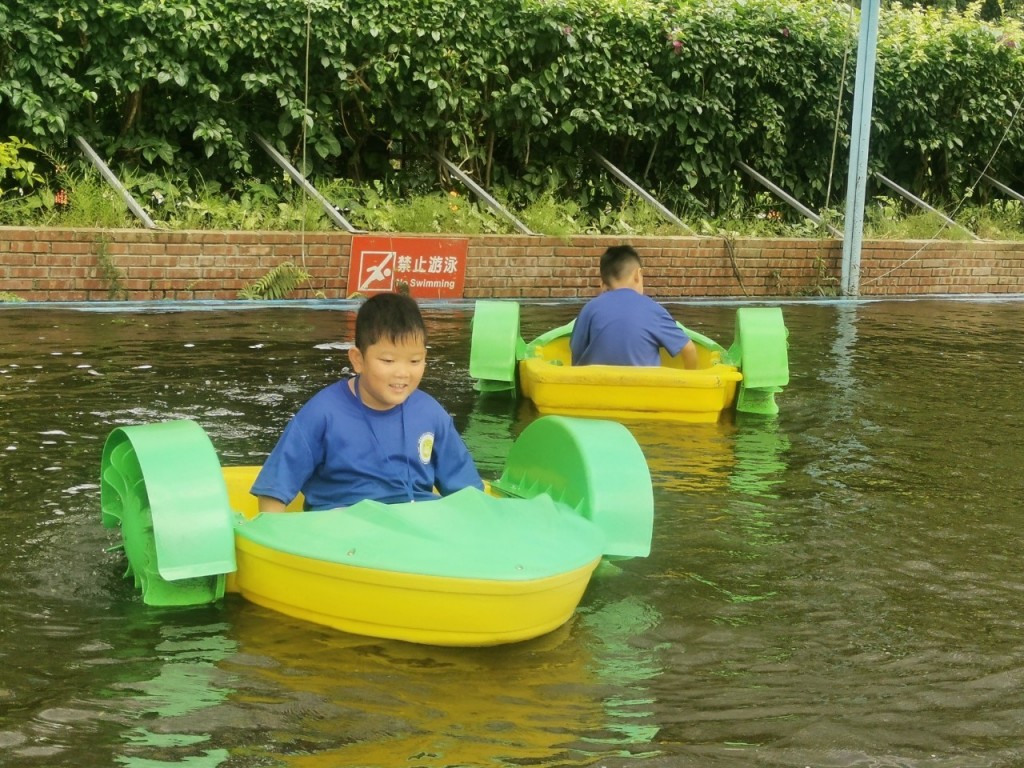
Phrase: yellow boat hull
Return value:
(416, 608)
(433, 610)
(667, 393)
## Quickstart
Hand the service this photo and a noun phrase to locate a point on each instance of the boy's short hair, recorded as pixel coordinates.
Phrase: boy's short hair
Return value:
(388, 317)
(617, 262)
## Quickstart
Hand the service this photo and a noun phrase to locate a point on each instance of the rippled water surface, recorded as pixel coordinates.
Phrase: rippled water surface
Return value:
(840, 586)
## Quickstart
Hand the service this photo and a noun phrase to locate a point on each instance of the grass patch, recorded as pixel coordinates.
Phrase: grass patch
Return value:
(84, 199)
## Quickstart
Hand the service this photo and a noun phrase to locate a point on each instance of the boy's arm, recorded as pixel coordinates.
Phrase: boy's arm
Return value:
(689, 354)
(270, 504)
(461, 471)
(455, 468)
(286, 469)
(580, 337)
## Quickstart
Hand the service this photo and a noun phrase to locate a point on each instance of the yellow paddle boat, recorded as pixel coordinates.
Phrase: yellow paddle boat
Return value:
(746, 376)
(470, 569)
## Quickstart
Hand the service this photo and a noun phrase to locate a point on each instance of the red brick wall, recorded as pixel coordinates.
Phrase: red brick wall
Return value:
(85, 264)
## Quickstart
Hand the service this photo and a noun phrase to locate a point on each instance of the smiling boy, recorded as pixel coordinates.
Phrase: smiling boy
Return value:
(375, 435)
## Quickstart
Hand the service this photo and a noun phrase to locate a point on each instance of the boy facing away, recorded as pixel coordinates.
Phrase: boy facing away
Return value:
(375, 435)
(621, 326)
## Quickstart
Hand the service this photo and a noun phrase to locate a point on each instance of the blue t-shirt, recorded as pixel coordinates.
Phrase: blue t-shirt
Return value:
(338, 452)
(624, 327)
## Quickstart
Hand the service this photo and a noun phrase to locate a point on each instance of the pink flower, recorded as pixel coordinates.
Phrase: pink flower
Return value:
(785, 31)
(677, 45)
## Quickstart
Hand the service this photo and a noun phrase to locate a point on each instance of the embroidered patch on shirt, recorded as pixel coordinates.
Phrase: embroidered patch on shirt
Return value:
(426, 446)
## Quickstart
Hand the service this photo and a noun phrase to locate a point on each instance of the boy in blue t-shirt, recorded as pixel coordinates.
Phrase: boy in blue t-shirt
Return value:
(374, 436)
(621, 326)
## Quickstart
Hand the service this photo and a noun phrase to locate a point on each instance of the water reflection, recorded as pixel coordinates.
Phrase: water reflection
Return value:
(174, 702)
(627, 666)
(337, 699)
(492, 426)
(124, 685)
(687, 458)
(743, 452)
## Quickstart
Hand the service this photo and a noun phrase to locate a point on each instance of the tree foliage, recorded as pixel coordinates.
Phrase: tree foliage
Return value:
(518, 92)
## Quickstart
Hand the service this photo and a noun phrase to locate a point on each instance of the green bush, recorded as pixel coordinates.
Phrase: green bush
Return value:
(517, 92)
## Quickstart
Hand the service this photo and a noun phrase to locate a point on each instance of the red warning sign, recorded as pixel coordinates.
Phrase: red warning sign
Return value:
(426, 267)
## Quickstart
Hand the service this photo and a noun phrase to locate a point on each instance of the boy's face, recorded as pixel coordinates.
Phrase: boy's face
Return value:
(389, 371)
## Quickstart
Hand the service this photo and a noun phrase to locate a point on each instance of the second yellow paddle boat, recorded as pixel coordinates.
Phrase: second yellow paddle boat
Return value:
(472, 568)
(747, 375)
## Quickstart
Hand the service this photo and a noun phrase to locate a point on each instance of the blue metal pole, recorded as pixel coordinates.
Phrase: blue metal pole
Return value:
(860, 134)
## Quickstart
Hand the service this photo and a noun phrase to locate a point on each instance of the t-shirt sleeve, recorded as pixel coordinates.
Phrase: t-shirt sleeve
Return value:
(668, 333)
(288, 466)
(454, 468)
(580, 337)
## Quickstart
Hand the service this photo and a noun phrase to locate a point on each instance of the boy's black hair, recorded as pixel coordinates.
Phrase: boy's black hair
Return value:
(388, 317)
(617, 261)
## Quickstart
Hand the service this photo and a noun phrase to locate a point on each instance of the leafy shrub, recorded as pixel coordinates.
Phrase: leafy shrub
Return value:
(276, 283)
(517, 92)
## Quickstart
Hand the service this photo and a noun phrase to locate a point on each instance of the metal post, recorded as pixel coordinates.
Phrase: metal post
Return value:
(1003, 188)
(483, 195)
(332, 213)
(114, 182)
(922, 204)
(860, 135)
(807, 212)
(643, 193)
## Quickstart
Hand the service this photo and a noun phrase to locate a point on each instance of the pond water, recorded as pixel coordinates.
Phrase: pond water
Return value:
(840, 586)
